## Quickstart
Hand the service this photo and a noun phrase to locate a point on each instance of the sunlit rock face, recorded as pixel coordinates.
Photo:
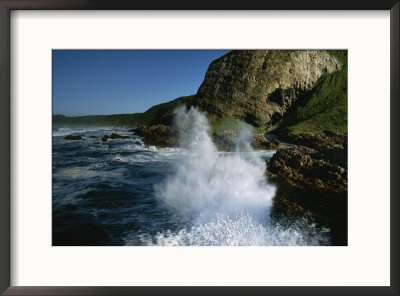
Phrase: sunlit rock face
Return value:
(259, 86)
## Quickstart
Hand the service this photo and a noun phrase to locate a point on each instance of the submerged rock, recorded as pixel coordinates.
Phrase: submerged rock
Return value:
(93, 137)
(74, 138)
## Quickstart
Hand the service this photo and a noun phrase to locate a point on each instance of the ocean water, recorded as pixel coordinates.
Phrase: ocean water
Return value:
(123, 192)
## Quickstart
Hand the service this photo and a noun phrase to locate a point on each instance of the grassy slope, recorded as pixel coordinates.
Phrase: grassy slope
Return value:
(326, 106)
(163, 113)
(158, 114)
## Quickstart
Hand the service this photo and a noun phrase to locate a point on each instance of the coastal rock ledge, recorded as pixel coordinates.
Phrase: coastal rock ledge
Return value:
(158, 135)
(308, 181)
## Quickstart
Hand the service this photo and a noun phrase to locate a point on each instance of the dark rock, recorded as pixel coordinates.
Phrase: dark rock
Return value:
(113, 136)
(332, 146)
(305, 169)
(75, 138)
(141, 131)
(307, 180)
(138, 143)
(158, 135)
(260, 142)
(274, 144)
(93, 137)
(116, 136)
(326, 139)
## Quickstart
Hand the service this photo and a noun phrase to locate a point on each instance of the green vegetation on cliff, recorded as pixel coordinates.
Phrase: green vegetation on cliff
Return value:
(324, 108)
(163, 113)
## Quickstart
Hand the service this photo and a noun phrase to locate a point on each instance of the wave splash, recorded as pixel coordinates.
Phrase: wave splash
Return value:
(206, 182)
(224, 197)
(241, 229)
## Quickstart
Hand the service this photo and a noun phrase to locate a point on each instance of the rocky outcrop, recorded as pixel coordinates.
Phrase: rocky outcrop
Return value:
(158, 135)
(313, 181)
(325, 139)
(261, 142)
(140, 131)
(113, 136)
(308, 170)
(332, 146)
(258, 86)
(74, 138)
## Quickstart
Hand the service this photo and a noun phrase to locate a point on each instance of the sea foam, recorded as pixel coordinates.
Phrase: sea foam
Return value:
(222, 199)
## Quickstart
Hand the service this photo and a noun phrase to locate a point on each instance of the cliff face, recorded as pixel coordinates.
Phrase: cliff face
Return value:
(258, 86)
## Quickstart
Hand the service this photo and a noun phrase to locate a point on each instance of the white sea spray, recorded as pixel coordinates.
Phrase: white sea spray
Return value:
(207, 183)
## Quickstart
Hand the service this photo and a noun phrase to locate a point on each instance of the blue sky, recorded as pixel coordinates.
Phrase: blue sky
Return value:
(89, 82)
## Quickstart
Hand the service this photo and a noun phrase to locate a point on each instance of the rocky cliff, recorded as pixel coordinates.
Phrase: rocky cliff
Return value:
(259, 86)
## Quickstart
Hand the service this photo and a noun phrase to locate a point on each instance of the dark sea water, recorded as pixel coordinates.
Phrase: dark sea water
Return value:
(121, 192)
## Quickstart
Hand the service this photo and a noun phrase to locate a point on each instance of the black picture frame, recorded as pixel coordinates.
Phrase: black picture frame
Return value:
(8, 5)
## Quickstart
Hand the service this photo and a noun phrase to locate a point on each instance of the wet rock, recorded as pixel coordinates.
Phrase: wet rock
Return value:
(333, 146)
(307, 180)
(305, 169)
(74, 138)
(158, 135)
(273, 144)
(116, 136)
(326, 139)
(141, 131)
(260, 142)
(113, 137)
(224, 140)
(138, 143)
(93, 137)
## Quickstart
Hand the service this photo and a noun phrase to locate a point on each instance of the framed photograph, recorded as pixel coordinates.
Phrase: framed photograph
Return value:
(153, 148)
